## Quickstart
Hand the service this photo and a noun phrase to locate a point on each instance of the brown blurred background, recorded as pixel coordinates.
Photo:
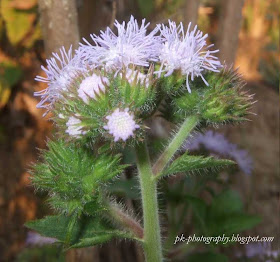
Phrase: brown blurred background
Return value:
(247, 34)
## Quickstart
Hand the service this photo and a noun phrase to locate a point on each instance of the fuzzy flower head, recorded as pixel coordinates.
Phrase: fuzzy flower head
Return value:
(130, 46)
(135, 77)
(74, 127)
(217, 143)
(187, 52)
(92, 86)
(121, 124)
(60, 71)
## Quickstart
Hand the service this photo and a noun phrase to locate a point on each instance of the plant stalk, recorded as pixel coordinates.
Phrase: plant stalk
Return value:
(152, 240)
(123, 218)
(175, 144)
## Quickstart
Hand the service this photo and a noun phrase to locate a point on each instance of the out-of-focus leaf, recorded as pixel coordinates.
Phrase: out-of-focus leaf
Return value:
(207, 257)
(46, 253)
(18, 23)
(225, 204)
(235, 223)
(1, 26)
(9, 75)
(199, 208)
(23, 5)
(36, 35)
(225, 215)
(146, 7)
(125, 188)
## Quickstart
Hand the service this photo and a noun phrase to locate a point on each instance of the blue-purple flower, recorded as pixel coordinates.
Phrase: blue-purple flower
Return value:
(132, 45)
(187, 52)
(60, 71)
(217, 143)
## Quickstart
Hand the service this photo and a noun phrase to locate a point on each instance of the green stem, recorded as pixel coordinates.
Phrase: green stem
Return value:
(152, 241)
(125, 220)
(175, 144)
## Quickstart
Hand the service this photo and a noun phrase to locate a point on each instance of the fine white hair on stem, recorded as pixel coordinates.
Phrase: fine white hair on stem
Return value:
(187, 52)
(132, 45)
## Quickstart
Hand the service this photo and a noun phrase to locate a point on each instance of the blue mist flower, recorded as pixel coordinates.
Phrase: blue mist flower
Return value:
(60, 70)
(187, 52)
(132, 45)
(217, 143)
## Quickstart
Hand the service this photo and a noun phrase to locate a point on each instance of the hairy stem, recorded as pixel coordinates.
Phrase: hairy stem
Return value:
(152, 240)
(126, 220)
(175, 144)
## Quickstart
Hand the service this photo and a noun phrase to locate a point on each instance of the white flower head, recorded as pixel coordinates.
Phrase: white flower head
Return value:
(92, 86)
(187, 52)
(74, 127)
(60, 70)
(121, 124)
(130, 46)
(136, 77)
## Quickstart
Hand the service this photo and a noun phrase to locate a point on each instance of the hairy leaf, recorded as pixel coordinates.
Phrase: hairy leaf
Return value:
(74, 177)
(188, 163)
(85, 231)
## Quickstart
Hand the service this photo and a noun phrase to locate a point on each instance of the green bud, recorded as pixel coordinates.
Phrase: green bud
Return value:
(223, 100)
(74, 177)
(83, 114)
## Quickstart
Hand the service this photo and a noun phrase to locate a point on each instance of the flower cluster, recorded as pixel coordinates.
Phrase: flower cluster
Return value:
(108, 87)
(217, 143)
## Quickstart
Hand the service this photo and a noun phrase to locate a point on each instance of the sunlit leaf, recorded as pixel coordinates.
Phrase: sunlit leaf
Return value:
(18, 23)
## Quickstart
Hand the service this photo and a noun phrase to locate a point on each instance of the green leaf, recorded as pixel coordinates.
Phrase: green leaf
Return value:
(86, 231)
(93, 241)
(125, 188)
(226, 203)
(101, 238)
(232, 224)
(188, 163)
(18, 22)
(226, 215)
(10, 73)
(207, 257)
(74, 177)
(199, 208)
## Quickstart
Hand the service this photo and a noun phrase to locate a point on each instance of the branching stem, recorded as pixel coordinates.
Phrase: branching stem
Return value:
(175, 144)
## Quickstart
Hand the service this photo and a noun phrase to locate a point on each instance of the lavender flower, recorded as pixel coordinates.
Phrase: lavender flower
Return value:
(121, 124)
(187, 52)
(92, 86)
(74, 127)
(60, 70)
(136, 77)
(260, 250)
(34, 239)
(131, 46)
(219, 144)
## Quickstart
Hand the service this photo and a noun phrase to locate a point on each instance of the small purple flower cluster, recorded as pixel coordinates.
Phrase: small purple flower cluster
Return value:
(217, 143)
(169, 46)
(126, 54)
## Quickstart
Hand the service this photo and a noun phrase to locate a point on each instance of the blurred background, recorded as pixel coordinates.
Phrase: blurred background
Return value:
(247, 34)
